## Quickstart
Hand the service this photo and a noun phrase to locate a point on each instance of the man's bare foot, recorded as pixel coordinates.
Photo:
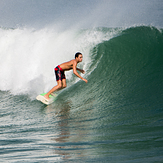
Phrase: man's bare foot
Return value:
(47, 97)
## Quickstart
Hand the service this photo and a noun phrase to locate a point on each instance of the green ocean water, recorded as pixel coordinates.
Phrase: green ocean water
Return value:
(116, 117)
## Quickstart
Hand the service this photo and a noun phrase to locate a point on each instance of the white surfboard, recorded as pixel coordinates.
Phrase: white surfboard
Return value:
(44, 100)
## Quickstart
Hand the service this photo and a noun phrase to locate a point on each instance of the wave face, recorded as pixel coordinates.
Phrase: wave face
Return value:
(115, 117)
(127, 69)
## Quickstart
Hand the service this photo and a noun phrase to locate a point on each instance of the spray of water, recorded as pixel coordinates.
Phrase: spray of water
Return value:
(29, 56)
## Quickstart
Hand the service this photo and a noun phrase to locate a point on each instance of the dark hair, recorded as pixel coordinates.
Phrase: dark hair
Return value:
(77, 54)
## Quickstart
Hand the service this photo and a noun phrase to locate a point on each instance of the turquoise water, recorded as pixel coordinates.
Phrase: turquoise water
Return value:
(116, 117)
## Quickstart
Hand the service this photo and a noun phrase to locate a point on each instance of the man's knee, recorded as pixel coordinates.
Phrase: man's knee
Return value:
(64, 86)
(59, 86)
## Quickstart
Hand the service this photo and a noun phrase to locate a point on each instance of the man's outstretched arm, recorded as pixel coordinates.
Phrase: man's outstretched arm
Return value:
(76, 73)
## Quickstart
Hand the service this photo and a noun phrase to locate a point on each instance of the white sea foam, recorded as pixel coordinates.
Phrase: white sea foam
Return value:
(29, 56)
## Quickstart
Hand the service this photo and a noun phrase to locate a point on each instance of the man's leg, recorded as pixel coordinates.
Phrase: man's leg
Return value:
(64, 83)
(58, 86)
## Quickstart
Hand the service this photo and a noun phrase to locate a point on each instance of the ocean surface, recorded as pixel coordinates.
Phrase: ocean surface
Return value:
(116, 117)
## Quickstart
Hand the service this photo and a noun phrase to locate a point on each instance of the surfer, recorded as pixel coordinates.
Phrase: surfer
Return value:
(60, 75)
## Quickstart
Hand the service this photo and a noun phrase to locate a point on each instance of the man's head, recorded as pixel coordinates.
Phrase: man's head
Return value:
(79, 56)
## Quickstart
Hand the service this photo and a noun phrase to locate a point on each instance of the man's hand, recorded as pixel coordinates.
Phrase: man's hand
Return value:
(82, 71)
(85, 80)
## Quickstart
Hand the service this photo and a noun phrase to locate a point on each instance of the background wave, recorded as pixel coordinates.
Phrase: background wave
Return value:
(119, 63)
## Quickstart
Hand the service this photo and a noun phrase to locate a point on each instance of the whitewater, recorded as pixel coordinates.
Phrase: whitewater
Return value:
(32, 55)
